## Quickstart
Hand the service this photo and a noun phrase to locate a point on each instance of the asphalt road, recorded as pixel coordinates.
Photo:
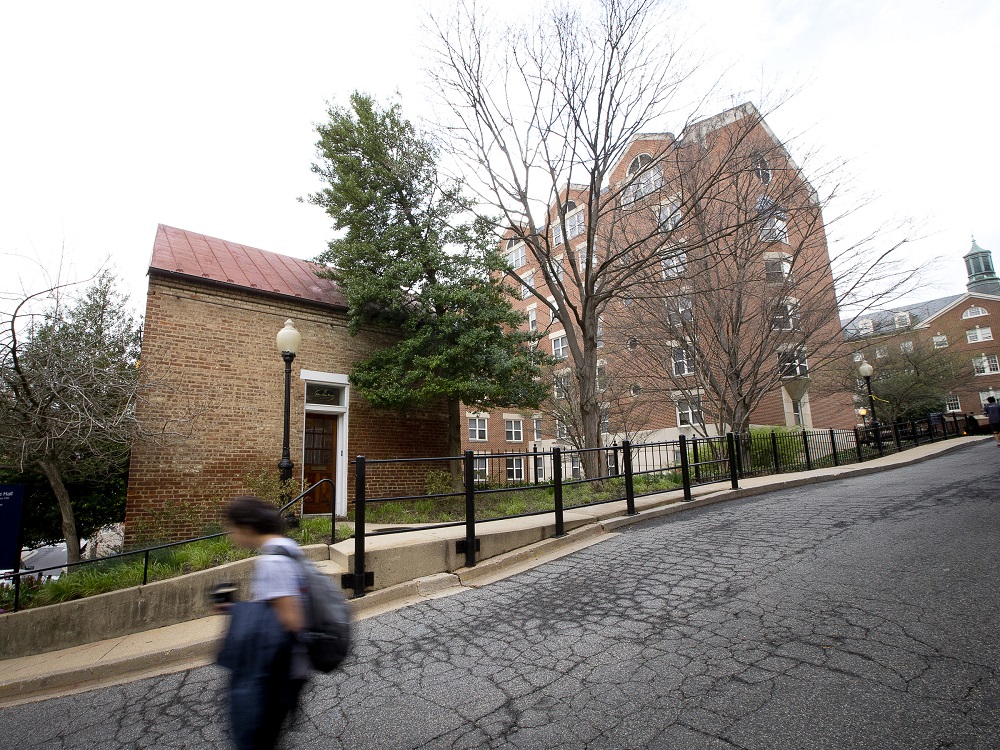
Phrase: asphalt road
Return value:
(863, 613)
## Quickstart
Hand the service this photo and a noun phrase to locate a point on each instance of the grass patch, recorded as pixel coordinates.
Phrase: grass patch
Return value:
(126, 572)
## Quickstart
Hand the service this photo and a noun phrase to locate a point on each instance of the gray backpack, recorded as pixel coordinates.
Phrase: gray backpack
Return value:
(328, 631)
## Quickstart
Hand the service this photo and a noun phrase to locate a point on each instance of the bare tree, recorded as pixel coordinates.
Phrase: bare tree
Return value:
(746, 298)
(69, 383)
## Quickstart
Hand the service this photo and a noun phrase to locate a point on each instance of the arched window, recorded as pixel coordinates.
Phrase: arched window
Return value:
(643, 178)
(974, 312)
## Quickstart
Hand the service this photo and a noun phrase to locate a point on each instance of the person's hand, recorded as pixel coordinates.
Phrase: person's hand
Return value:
(221, 609)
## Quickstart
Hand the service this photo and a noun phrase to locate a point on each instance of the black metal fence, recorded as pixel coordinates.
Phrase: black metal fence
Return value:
(488, 486)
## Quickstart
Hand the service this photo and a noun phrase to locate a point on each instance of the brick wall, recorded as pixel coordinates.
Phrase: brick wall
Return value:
(210, 354)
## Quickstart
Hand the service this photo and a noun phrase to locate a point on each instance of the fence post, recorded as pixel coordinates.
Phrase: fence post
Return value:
(734, 471)
(913, 433)
(17, 590)
(534, 462)
(145, 568)
(470, 511)
(833, 447)
(805, 442)
(557, 486)
(774, 452)
(359, 526)
(857, 444)
(954, 419)
(629, 478)
(614, 450)
(930, 429)
(697, 461)
(685, 468)
(878, 439)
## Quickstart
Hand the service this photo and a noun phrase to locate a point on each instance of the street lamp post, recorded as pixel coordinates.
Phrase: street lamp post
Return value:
(866, 371)
(288, 342)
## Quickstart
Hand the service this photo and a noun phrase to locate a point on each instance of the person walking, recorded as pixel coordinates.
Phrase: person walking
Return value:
(992, 411)
(267, 661)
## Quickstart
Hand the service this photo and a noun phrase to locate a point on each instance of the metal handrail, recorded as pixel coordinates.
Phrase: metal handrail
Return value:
(16, 576)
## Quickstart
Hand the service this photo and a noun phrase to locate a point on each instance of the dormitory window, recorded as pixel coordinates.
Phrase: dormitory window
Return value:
(477, 428)
(974, 312)
(560, 349)
(777, 269)
(772, 221)
(760, 168)
(902, 320)
(516, 255)
(940, 342)
(480, 470)
(906, 347)
(669, 215)
(988, 364)
(786, 317)
(515, 469)
(793, 364)
(953, 403)
(681, 366)
(688, 413)
(528, 286)
(643, 177)
(513, 430)
(979, 333)
(866, 327)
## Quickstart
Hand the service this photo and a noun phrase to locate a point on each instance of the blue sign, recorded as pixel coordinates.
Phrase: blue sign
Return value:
(11, 500)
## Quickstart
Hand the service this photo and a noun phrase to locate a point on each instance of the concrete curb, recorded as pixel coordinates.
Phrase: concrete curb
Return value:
(28, 678)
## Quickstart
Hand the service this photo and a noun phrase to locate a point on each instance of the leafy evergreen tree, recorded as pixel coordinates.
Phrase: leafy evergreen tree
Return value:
(415, 263)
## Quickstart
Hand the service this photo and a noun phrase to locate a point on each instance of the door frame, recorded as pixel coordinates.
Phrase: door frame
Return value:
(341, 413)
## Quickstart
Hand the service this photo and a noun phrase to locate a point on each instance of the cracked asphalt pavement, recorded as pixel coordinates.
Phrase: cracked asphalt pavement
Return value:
(861, 613)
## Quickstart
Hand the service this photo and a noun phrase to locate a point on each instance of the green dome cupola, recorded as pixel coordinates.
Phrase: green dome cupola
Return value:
(982, 277)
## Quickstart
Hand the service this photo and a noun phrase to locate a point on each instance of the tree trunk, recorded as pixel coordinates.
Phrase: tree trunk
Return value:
(52, 473)
(455, 442)
(590, 409)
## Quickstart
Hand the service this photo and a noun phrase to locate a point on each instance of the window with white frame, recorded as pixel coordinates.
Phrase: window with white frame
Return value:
(859, 356)
(574, 223)
(605, 422)
(797, 413)
(537, 428)
(974, 312)
(906, 347)
(560, 348)
(688, 413)
(983, 395)
(792, 363)
(866, 327)
(681, 366)
(528, 285)
(979, 333)
(516, 254)
(634, 391)
(560, 387)
(513, 431)
(940, 341)
(668, 215)
(881, 352)
(644, 178)
(952, 403)
(901, 320)
(786, 316)
(777, 268)
(987, 364)
(558, 269)
(602, 377)
(480, 470)
(515, 469)
(477, 428)
(680, 310)
(532, 319)
(772, 218)
(562, 432)
(673, 263)
(540, 468)
(760, 168)
(574, 466)
(600, 332)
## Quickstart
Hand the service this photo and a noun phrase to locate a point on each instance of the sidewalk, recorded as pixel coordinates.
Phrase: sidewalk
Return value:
(192, 644)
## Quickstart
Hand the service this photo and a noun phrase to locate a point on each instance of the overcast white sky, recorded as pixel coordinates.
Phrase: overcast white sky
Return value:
(117, 116)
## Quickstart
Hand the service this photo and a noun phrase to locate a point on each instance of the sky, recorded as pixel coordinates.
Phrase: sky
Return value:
(118, 116)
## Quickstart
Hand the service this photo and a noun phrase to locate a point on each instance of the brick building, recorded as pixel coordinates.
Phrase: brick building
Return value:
(784, 280)
(957, 326)
(213, 310)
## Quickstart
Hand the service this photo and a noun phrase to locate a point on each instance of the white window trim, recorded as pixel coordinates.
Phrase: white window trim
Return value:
(940, 341)
(974, 311)
(486, 428)
(340, 460)
(519, 429)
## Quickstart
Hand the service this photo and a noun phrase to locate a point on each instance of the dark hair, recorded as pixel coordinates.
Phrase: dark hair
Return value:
(253, 513)
(990, 400)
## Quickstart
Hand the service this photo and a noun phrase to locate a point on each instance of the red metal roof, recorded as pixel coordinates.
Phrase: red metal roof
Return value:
(178, 251)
